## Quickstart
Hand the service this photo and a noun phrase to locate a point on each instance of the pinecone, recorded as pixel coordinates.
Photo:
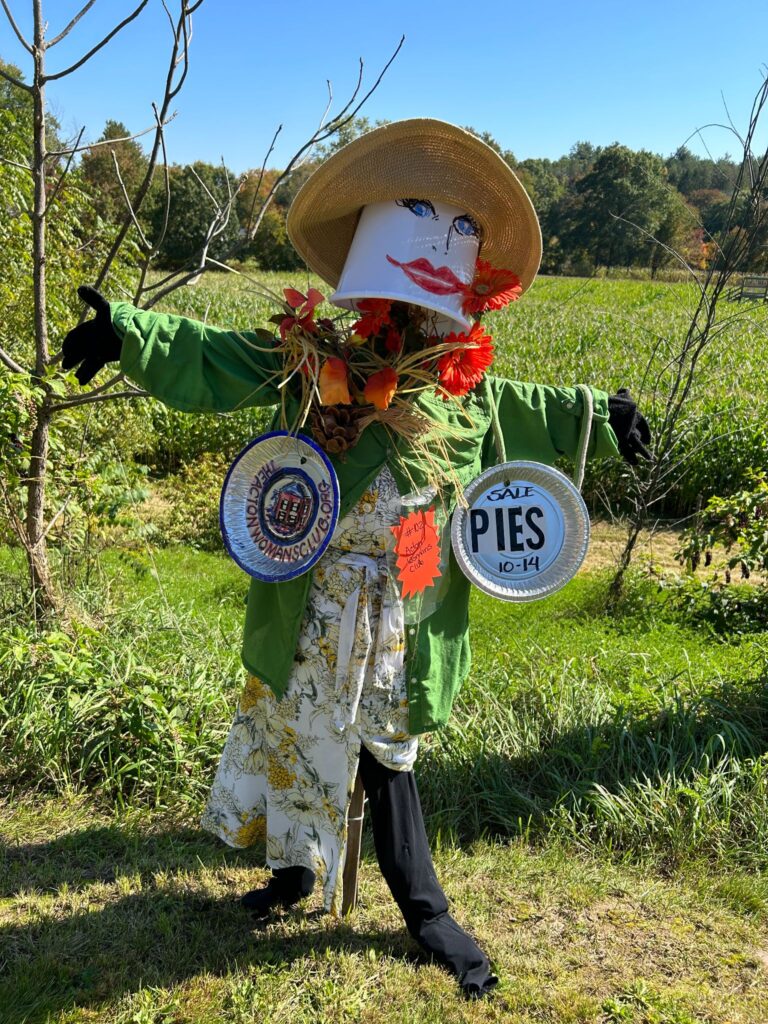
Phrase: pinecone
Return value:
(336, 428)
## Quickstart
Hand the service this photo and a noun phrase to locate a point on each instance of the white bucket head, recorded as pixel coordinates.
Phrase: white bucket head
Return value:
(411, 250)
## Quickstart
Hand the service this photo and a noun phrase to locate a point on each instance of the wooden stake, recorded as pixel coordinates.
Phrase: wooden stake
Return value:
(352, 858)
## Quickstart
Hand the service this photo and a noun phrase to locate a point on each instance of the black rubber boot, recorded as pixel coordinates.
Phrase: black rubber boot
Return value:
(284, 889)
(403, 853)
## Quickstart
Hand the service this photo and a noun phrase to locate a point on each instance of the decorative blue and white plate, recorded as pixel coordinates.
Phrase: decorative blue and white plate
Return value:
(524, 532)
(279, 506)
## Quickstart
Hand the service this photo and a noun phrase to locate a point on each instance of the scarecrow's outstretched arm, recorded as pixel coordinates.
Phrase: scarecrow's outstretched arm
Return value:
(184, 363)
(542, 423)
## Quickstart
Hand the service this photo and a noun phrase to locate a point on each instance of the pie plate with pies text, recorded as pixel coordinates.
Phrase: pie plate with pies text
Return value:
(279, 506)
(524, 532)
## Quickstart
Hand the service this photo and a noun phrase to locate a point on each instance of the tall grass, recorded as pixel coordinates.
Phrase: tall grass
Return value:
(633, 733)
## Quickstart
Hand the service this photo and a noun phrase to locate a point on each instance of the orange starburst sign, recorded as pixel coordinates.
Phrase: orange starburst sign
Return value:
(417, 547)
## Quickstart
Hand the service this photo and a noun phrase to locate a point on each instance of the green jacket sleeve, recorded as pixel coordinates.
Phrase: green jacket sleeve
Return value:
(543, 423)
(192, 366)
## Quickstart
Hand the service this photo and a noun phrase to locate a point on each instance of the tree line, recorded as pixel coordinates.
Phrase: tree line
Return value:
(599, 206)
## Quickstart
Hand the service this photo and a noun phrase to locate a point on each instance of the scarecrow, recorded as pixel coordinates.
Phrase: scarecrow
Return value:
(421, 228)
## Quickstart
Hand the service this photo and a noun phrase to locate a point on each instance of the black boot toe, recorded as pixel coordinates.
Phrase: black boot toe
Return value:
(284, 889)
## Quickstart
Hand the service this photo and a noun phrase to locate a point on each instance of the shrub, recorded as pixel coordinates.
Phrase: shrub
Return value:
(191, 505)
(85, 709)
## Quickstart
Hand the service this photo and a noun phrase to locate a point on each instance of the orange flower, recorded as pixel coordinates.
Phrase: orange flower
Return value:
(332, 382)
(462, 368)
(491, 288)
(303, 307)
(380, 387)
(375, 316)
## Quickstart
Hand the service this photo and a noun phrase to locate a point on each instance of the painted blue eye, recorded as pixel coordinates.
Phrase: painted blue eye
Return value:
(465, 225)
(419, 207)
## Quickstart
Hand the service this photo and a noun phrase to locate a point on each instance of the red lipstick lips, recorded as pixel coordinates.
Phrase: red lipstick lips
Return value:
(437, 280)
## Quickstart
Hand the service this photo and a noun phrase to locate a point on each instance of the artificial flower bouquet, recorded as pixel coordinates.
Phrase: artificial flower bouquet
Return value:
(349, 375)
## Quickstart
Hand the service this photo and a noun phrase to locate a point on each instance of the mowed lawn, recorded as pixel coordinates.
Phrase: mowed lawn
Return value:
(134, 920)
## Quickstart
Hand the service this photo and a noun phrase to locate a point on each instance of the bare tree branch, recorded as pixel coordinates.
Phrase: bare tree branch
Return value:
(649, 235)
(171, 90)
(11, 363)
(16, 28)
(189, 274)
(65, 32)
(18, 525)
(127, 199)
(105, 142)
(71, 403)
(116, 379)
(100, 45)
(262, 171)
(15, 163)
(677, 377)
(65, 172)
(14, 81)
(153, 250)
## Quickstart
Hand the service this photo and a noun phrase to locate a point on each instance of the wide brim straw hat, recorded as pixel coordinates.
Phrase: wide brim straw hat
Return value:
(421, 158)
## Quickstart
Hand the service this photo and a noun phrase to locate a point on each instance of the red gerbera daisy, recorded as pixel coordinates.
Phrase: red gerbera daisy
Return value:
(462, 368)
(375, 316)
(491, 288)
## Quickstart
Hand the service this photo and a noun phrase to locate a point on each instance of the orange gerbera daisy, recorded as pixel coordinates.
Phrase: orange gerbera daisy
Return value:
(380, 387)
(462, 368)
(491, 288)
(375, 317)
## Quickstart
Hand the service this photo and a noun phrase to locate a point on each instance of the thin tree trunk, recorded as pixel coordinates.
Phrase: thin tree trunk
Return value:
(37, 551)
(37, 555)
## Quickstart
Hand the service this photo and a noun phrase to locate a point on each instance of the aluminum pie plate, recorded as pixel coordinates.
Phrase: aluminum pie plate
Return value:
(524, 533)
(279, 506)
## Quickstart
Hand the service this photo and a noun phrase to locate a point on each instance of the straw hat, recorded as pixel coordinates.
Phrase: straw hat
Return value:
(420, 158)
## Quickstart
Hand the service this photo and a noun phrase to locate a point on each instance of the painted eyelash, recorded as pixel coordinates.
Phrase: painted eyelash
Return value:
(476, 230)
(411, 204)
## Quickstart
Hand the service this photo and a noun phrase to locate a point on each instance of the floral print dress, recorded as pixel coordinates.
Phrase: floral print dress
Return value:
(288, 767)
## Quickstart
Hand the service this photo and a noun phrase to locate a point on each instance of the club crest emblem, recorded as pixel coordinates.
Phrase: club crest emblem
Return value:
(279, 506)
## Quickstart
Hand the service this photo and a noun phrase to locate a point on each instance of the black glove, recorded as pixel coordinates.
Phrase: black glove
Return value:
(94, 343)
(630, 427)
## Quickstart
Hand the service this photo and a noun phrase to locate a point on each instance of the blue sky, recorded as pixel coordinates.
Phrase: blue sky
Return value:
(539, 77)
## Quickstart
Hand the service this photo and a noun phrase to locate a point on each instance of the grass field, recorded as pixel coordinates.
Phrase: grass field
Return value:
(598, 808)
(133, 921)
(598, 804)
(607, 333)
(563, 330)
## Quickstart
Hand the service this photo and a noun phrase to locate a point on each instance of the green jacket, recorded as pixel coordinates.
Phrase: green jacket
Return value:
(197, 368)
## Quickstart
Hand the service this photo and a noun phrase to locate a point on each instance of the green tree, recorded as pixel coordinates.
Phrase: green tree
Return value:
(579, 161)
(690, 173)
(622, 200)
(271, 247)
(346, 133)
(200, 194)
(677, 235)
(98, 168)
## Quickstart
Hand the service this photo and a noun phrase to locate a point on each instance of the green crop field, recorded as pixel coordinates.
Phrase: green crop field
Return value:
(608, 333)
